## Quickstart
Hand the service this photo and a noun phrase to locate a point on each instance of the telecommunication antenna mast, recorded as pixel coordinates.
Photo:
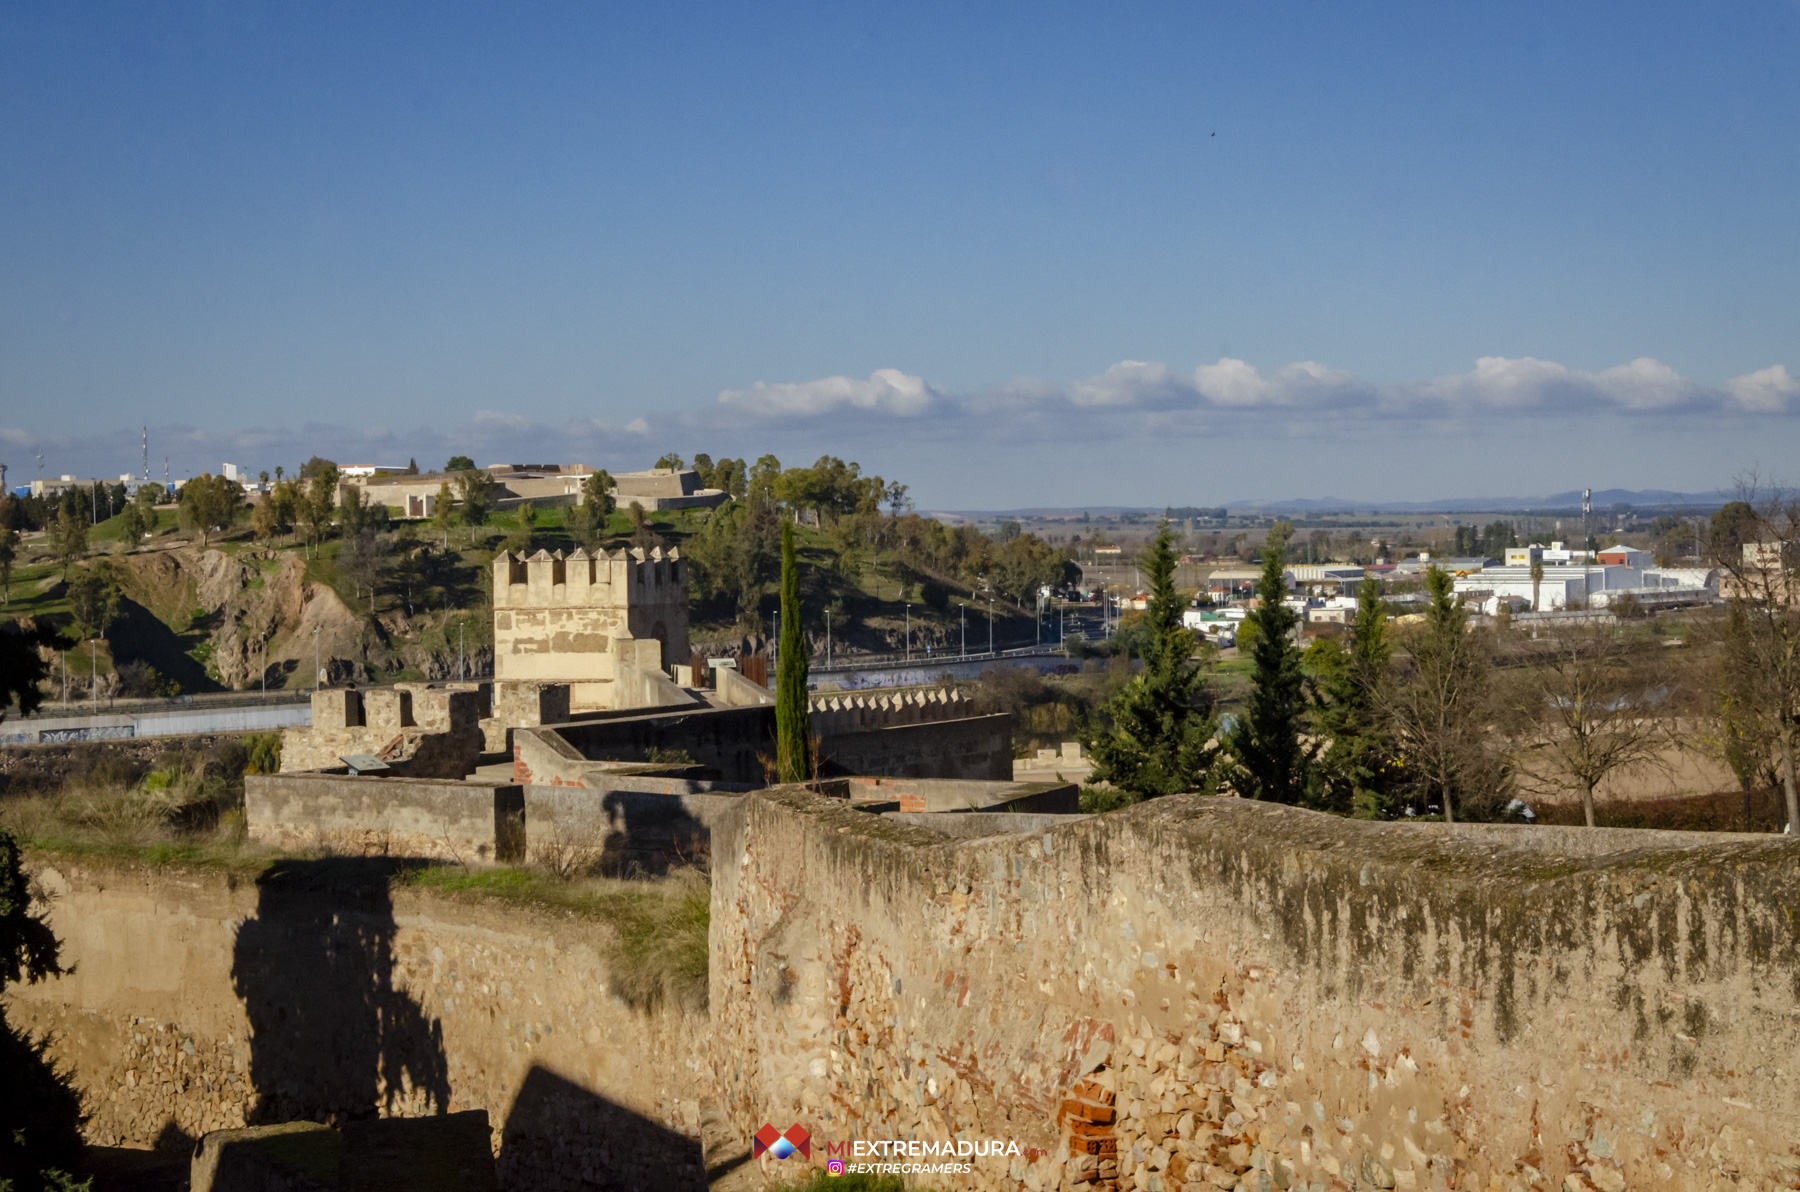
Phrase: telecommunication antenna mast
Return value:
(1587, 516)
(145, 474)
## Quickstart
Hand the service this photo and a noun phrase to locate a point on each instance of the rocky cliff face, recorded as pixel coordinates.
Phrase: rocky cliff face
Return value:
(277, 623)
(254, 618)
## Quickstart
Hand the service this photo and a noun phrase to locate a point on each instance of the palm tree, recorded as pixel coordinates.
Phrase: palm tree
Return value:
(1537, 577)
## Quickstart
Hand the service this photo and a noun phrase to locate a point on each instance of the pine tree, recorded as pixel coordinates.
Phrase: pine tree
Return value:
(1162, 723)
(792, 737)
(1265, 742)
(68, 538)
(1355, 773)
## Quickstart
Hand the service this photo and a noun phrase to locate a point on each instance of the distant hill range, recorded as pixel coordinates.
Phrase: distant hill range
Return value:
(1604, 499)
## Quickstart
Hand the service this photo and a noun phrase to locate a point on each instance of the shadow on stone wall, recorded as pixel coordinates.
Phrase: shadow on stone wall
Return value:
(649, 835)
(40, 1110)
(333, 1041)
(560, 1135)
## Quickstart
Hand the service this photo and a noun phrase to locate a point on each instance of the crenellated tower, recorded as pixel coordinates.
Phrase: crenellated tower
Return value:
(582, 619)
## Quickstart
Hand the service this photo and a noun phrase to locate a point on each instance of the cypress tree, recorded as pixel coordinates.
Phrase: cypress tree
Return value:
(1265, 741)
(1162, 723)
(792, 740)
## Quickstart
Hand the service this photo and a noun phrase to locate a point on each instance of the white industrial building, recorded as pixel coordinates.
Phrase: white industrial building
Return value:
(1568, 579)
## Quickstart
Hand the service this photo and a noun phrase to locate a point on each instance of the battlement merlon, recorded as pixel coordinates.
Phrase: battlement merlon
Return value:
(580, 580)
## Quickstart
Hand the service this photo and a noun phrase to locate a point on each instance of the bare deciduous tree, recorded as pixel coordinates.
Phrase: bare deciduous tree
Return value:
(1733, 728)
(1588, 704)
(1760, 563)
(1442, 708)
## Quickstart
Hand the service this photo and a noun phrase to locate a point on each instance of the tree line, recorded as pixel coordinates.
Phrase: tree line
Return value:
(1443, 714)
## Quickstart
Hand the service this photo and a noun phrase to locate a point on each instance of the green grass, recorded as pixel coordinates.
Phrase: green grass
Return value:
(186, 816)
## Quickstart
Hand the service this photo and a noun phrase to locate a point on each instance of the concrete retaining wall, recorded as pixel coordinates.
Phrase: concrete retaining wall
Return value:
(112, 726)
(198, 1001)
(1210, 993)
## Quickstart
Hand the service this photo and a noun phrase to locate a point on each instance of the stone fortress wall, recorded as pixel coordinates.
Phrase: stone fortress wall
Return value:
(926, 734)
(415, 729)
(1212, 994)
(199, 1002)
(1191, 994)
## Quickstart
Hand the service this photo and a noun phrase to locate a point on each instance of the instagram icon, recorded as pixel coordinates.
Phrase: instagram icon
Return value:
(834, 1167)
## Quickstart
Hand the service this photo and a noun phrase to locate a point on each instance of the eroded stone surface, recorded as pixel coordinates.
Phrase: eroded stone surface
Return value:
(1266, 997)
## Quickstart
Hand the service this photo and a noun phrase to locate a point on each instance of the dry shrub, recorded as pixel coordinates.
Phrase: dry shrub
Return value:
(569, 854)
(181, 800)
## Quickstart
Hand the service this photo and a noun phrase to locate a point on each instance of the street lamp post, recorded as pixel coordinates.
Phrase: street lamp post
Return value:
(990, 625)
(317, 675)
(827, 639)
(94, 676)
(965, 631)
(909, 632)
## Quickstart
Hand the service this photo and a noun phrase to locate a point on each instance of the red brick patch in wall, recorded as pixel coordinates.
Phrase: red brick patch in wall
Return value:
(1087, 1116)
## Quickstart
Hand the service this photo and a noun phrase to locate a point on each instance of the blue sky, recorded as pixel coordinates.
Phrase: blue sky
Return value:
(1011, 255)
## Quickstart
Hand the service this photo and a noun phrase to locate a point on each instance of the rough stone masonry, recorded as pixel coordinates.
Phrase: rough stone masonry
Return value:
(1210, 993)
(1195, 993)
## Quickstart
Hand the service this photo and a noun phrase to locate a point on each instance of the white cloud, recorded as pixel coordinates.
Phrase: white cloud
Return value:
(496, 422)
(1768, 391)
(1237, 384)
(1499, 383)
(887, 391)
(1231, 396)
(1646, 384)
(1131, 401)
(1127, 383)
